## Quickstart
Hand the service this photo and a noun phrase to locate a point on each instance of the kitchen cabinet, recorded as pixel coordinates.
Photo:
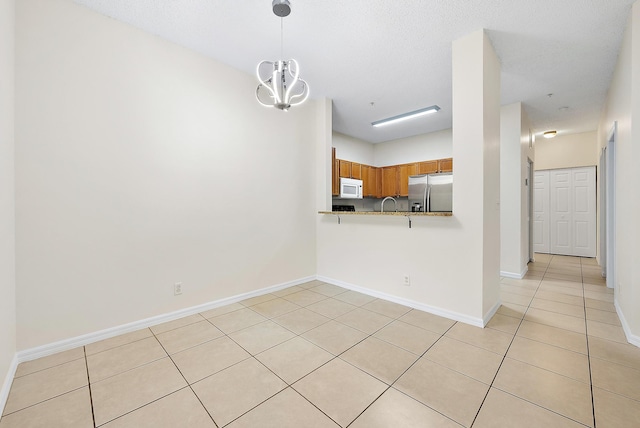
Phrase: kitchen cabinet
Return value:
(428, 167)
(445, 165)
(356, 171)
(335, 174)
(370, 181)
(385, 181)
(345, 168)
(404, 171)
(368, 187)
(389, 181)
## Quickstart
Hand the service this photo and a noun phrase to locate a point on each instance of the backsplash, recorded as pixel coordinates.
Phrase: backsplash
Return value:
(372, 204)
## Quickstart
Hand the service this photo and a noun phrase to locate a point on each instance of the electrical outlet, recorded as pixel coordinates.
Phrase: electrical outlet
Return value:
(406, 280)
(177, 288)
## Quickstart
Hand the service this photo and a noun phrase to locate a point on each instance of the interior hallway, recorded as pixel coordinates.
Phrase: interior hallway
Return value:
(317, 355)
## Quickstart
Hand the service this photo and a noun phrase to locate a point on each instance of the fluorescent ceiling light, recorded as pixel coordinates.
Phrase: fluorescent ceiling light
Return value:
(405, 116)
(549, 134)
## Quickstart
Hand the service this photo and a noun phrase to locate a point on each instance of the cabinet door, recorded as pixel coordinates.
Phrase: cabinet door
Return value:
(445, 165)
(367, 184)
(335, 178)
(345, 169)
(335, 172)
(389, 181)
(428, 167)
(356, 171)
(378, 191)
(404, 171)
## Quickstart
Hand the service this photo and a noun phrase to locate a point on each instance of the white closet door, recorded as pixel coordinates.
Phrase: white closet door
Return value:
(584, 212)
(561, 213)
(541, 212)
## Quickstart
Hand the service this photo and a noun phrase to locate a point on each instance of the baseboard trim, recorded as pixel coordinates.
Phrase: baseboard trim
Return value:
(74, 342)
(487, 317)
(478, 322)
(515, 275)
(8, 380)
(631, 338)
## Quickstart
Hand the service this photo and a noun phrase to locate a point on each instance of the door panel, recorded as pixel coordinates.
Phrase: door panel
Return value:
(541, 212)
(560, 213)
(571, 213)
(584, 211)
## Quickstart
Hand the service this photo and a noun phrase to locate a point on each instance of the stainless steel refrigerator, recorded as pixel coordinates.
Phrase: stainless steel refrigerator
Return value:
(431, 192)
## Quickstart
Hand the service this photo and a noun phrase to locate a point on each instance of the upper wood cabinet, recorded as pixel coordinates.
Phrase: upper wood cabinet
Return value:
(345, 169)
(386, 181)
(356, 171)
(368, 180)
(428, 167)
(389, 181)
(335, 173)
(404, 171)
(445, 165)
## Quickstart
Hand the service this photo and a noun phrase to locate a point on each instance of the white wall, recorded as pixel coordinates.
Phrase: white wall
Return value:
(435, 145)
(567, 151)
(352, 149)
(7, 197)
(623, 106)
(527, 155)
(444, 256)
(140, 164)
(514, 155)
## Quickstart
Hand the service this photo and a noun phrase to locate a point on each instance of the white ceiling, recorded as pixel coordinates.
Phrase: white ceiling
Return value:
(397, 54)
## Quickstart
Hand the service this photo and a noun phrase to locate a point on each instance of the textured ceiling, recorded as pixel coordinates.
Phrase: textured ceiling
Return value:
(397, 54)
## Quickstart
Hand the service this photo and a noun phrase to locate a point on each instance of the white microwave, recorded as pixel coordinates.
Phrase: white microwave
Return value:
(350, 188)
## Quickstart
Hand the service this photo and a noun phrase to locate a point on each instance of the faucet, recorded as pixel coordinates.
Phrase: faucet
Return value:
(395, 204)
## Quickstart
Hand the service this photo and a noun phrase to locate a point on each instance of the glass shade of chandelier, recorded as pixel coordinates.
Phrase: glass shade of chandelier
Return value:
(280, 83)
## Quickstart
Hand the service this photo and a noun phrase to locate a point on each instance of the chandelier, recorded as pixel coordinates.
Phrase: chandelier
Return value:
(280, 84)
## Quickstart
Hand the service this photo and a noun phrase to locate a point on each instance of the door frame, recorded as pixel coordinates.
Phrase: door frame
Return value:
(610, 207)
(530, 207)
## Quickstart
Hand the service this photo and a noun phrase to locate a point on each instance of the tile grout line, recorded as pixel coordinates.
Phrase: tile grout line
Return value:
(289, 385)
(260, 362)
(586, 334)
(86, 364)
(185, 379)
(504, 357)
(408, 368)
(4, 415)
(389, 386)
(538, 405)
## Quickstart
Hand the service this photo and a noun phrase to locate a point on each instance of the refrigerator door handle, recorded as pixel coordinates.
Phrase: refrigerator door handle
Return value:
(427, 199)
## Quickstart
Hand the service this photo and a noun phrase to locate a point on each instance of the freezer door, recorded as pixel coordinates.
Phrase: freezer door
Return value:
(417, 190)
(441, 197)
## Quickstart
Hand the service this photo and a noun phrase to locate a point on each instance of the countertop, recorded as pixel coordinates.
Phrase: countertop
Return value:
(392, 213)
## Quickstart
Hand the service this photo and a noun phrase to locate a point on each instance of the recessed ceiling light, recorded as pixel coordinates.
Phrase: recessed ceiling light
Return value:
(406, 116)
(549, 134)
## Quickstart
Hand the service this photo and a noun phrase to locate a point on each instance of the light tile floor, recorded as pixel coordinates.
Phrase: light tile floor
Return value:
(316, 355)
